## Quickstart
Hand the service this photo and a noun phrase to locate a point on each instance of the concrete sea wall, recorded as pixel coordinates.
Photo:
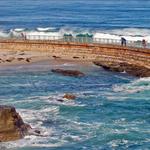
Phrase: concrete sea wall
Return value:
(80, 51)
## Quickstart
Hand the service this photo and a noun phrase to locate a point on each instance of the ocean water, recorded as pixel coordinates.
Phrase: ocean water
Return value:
(102, 18)
(112, 110)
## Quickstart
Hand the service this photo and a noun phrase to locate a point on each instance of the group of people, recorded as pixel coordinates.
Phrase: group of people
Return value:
(124, 42)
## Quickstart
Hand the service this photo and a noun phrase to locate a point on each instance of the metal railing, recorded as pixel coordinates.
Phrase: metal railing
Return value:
(85, 40)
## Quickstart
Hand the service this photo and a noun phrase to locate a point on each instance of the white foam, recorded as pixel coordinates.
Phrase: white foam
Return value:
(19, 29)
(48, 33)
(4, 34)
(35, 35)
(15, 33)
(40, 115)
(106, 36)
(131, 34)
(139, 85)
(65, 30)
(45, 29)
(49, 137)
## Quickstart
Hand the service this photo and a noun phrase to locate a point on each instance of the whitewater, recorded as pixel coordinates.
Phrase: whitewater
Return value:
(130, 34)
(112, 110)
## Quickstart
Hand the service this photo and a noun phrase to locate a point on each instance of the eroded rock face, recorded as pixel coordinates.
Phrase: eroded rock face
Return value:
(12, 126)
(132, 69)
(73, 73)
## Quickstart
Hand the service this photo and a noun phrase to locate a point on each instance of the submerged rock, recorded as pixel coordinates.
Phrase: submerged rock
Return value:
(132, 69)
(69, 96)
(73, 73)
(12, 126)
(60, 100)
(35, 132)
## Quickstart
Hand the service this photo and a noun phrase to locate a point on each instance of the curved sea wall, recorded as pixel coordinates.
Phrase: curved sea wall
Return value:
(98, 53)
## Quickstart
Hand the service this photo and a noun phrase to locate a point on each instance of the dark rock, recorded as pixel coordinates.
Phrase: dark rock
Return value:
(28, 59)
(132, 69)
(75, 57)
(69, 96)
(73, 73)
(12, 126)
(56, 57)
(35, 132)
(60, 100)
(20, 59)
(10, 59)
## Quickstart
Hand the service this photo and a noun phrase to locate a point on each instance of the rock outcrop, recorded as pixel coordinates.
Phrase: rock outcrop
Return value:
(132, 69)
(12, 126)
(69, 96)
(73, 73)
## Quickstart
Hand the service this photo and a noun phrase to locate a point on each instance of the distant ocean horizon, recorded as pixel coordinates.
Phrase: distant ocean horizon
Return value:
(95, 14)
(112, 110)
(128, 18)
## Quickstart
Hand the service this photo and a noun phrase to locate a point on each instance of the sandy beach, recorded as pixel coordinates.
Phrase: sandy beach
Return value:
(10, 58)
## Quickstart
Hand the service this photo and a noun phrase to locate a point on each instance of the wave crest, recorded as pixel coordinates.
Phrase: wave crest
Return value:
(131, 34)
(139, 85)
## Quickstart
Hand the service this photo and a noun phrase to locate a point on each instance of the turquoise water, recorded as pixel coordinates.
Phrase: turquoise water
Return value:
(111, 110)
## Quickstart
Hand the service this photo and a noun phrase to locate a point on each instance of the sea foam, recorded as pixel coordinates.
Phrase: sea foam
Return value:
(48, 33)
(138, 85)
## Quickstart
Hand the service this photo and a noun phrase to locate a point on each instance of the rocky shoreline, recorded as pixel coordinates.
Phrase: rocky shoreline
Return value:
(131, 69)
(12, 127)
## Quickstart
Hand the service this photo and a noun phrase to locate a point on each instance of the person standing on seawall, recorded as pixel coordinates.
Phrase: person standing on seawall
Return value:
(23, 36)
(123, 41)
(144, 43)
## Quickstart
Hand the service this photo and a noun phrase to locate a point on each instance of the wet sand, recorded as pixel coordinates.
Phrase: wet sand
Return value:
(8, 58)
(33, 60)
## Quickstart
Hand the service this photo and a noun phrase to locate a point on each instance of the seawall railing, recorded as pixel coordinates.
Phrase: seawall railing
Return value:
(82, 40)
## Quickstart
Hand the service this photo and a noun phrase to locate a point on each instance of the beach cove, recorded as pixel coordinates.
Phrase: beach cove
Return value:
(109, 56)
(74, 75)
(37, 93)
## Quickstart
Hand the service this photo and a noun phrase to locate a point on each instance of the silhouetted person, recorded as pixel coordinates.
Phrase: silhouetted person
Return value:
(23, 35)
(144, 43)
(123, 41)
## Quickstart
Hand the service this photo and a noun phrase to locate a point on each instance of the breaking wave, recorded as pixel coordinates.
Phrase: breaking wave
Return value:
(131, 34)
(50, 135)
(139, 85)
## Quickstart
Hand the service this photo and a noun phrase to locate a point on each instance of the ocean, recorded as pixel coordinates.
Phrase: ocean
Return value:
(112, 110)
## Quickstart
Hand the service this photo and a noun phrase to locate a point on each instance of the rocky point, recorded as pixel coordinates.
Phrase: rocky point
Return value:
(12, 126)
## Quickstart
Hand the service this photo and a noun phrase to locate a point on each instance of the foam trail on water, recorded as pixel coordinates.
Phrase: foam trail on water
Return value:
(139, 85)
(51, 137)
